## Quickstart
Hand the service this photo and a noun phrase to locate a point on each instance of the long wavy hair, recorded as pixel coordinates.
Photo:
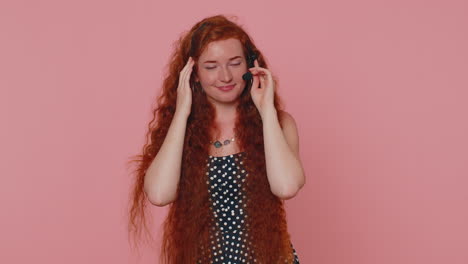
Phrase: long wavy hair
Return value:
(186, 227)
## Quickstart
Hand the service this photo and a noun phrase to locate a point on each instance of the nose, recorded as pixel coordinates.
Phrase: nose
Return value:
(225, 74)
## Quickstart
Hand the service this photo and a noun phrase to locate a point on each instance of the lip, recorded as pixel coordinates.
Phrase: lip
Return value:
(227, 87)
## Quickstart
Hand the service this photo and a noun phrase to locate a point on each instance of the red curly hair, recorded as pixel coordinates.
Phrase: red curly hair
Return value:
(186, 228)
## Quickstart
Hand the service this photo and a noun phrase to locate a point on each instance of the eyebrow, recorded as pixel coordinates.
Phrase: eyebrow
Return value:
(212, 61)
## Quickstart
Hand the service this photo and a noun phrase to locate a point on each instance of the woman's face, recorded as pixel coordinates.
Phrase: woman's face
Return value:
(222, 64)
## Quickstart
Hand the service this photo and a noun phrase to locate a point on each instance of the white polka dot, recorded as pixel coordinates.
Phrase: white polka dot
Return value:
(225, 173)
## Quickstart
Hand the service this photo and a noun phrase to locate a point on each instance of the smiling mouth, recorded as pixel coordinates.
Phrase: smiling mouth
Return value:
(227, 87)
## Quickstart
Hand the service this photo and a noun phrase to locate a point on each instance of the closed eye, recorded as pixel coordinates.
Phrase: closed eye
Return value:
(210, 68)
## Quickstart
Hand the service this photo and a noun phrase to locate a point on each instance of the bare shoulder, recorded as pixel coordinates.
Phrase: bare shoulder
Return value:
(286, 117)
(289, 128)
(287, 120)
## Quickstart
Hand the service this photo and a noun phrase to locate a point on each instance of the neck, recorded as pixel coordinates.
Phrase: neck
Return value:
(225, 118)
(225, 114)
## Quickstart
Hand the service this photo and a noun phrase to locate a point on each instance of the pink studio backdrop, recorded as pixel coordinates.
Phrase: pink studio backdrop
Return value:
(378, 90)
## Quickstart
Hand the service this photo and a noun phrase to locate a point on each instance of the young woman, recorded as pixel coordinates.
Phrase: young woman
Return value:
(221, 152)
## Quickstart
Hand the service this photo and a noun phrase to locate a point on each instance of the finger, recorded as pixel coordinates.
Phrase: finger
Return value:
(184, 69)
(262, 81)
(187, 75)
(256, 63)
(255, 82)
(188, 65)
(182, 74)
(260, 72)
(186, 72)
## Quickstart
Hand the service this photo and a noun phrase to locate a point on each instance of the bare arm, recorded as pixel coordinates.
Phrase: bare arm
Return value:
(283, 164)
(162, 176)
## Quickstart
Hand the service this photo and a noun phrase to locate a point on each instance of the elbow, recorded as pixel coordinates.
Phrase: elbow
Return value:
(155, 199)
(287, 192)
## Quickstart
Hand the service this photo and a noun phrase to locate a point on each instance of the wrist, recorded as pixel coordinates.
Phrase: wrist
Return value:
(268, 111)
(181, 115)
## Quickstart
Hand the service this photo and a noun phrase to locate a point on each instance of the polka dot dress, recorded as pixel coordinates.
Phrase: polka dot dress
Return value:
(229, 241)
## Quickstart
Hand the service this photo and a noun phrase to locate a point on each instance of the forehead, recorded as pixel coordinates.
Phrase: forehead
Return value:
(222, 50)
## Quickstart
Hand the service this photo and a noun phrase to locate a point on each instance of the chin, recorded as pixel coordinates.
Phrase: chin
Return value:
(225, 100)
(232, 98)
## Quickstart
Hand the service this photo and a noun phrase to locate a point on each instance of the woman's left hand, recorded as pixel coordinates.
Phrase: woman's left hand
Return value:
(263, 95)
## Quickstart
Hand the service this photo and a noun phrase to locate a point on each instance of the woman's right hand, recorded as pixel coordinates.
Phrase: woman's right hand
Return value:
(184, 92)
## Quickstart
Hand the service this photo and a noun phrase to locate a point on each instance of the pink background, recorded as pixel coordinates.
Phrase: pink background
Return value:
(378, 90)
